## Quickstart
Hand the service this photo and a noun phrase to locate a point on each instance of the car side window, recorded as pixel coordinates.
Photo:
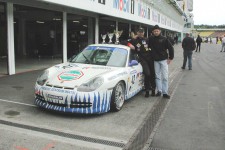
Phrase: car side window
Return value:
(133, 56)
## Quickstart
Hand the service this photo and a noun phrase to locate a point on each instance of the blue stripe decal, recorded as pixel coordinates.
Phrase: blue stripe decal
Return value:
(103, 100)
(89, 101)
(75, 98)
(94, 103)
(71, 98)
(108, 100)
(66, 102)
(98, 103)
(78, 100)
(84, 102)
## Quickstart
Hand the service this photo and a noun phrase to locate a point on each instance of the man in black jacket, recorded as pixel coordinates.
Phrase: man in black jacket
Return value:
(198, 41)
(159, 46)
(140, 45)
(188, 45)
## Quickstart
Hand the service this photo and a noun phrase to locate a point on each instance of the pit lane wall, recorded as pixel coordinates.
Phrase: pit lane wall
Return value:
(159, 12)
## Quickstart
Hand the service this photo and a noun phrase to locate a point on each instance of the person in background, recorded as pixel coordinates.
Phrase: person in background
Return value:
(176, 39)
(198, 41)
(140, 45)
(219, 41)
(223, 44)
(170, 39)
(210, 40)
(159, 46)
(188, 45)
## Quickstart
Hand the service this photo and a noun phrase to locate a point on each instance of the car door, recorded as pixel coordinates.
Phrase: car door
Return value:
(135, 78)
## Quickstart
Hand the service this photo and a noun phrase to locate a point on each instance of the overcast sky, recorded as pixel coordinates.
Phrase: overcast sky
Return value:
(210, 12)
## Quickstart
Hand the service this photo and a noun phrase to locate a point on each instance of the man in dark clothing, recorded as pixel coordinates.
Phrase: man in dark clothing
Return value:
(159, 46)
(188, 44)
(198, 41)
(140, 45)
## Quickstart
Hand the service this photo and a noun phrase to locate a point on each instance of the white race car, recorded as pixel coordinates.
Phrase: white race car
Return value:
(97, 80)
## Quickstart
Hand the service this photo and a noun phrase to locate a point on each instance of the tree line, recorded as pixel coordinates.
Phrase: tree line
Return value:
(203, 26)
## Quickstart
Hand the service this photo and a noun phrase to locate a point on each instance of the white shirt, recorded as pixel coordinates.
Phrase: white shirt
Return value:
(223, 40)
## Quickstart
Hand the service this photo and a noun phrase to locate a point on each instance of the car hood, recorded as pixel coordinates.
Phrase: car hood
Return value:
(71, 75)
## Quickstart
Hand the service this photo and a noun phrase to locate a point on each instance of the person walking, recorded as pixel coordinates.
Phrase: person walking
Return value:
(176, 39)
(223, 44)
(198, 41)
(159, 46)
(140, 45)
(188, 45)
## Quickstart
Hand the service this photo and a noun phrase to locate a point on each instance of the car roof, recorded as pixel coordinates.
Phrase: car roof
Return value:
(111, 45)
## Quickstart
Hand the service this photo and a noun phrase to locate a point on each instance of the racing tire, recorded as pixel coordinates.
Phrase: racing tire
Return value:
(118, 97)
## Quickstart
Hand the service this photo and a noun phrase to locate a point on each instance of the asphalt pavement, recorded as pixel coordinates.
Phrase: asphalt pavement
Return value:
(194, 118)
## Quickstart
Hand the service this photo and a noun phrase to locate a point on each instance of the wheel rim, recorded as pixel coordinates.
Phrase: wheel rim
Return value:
(119, 95)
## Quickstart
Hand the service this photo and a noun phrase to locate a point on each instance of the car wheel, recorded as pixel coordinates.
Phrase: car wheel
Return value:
(118, 97)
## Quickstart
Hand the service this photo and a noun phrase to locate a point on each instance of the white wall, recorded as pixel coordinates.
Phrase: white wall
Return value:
(122, 10)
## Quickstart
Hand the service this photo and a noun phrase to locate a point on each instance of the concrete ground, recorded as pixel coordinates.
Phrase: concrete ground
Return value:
(25, 126)
(194, 119)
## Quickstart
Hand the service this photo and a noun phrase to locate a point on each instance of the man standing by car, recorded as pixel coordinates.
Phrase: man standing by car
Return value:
(159, 45)
(188, 44)
(140, 45)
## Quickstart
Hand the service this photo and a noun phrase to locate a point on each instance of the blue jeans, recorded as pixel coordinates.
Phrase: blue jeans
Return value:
(161, 75)
(187, 55)
(223, 47)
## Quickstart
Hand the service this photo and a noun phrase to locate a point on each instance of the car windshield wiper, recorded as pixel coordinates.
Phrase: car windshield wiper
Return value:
(86, 58)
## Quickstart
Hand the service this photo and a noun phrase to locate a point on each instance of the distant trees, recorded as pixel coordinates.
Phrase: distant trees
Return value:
(203, 26)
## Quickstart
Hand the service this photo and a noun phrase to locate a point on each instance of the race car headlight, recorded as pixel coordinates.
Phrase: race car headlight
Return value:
(43, 78)
(91, 85)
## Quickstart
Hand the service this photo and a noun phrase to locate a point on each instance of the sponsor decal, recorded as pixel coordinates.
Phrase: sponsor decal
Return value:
(142, 10)
(57, 90)
(154, 16)
(63, 91)
(133, 72)
(122, 5)
(107, 68)
(117, 75)
(70, 75)
(54, 97)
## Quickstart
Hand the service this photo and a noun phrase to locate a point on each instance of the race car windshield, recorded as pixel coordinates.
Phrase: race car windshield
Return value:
(106, 56)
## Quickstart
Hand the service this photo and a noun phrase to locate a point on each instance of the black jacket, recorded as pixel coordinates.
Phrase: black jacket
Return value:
(199, 40)
(159, 46)
(141, 47)
(188, 44)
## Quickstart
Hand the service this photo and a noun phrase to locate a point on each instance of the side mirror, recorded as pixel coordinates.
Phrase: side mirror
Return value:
(133, 63)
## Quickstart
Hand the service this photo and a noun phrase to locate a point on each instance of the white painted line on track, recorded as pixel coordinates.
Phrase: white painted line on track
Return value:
(8, 101)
